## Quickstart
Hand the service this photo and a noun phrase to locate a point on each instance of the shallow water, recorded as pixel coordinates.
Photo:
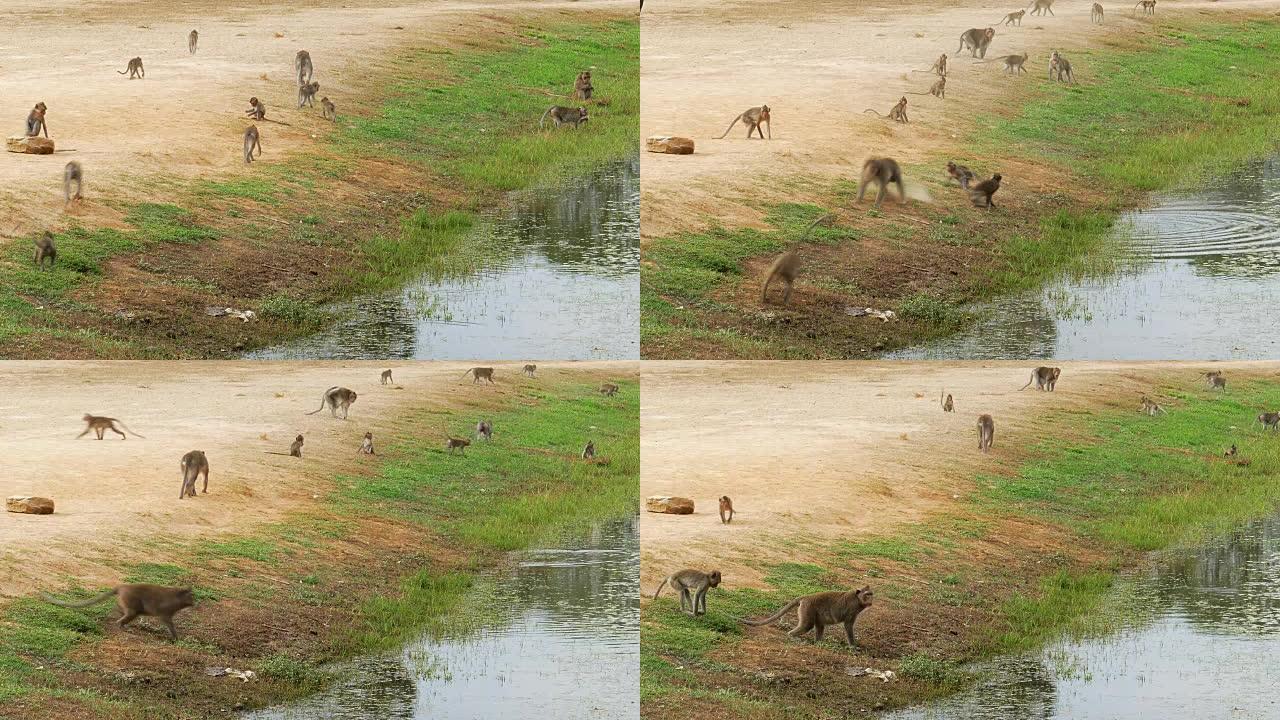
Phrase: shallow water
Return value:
(1211, 650)
(569, 289)
(1203, 269)
(569, 647)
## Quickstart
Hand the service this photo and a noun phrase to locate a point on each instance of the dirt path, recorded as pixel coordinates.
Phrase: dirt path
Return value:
(822, 450)
(115, 493)
(186, 118)
(820, 64)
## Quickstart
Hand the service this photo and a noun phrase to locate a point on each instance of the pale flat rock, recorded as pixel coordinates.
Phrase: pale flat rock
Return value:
(30, 145)
(669, 505)
(29, 505)
(669, 144)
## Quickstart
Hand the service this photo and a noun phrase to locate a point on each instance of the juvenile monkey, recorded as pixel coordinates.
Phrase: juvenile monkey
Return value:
(589, 452)
(251, 140)
(386, 377)
(884, 171)
(295, 447)
(960, 174)
(1013, 18)
(939, 66)
(257, 109)
(193, 41)
(938, 89)
(1217, 381)
(897, 113)
(336, 397)
(1096, 13)
(1270, 420)
(328, 110)
(157, 601)
(582, 88)
(484, 429)
(608, 389)
(303, 67)
(36, 121)
(456, 443)
(977, 39)
(981, 193)
(531, 370)
(1230, 452)
(100, 425)
(73, 173)
(693, 586)
(1045, 378)
(193, 465)
(817, 611)
(948, 405)
(1040, 7)
(561, 115)
(726, 509)
(45, 250)
(1013, 63)
(986, 432)
(366, 446)
(1148, 6)
(1060, 68)
(1150, 407)
(478, 374)
(307, 94)
(134, 69)
(753, 118)
(786, 267)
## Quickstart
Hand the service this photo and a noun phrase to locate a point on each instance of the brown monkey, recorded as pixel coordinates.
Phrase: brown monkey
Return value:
(134, 69)
(251, 140)
(1217, 382)
(960, 173)
(484, 429)
(303, 67)
(986, 432)
(691, 582)
(193, 40)
(939, 66)
(938, 89)
(386, 377)
(72, 173)
(897, 113)
(1270, 420)
(1045, 378)
(1096, 13)
(1060, 68)
(193, 465)
(1040, 7)
(1012, 63)
(608, 389)
(531, 370)
(336, 397)
(561, 115)
(726, 509)
(948, 405)
(328, 110)
(1013, 18)
(157, 601)
(977, 39)
(45, 250)
(1231, 451)
(1150, 407)
(456, 443)
(582, 88)
(589, 452)
(480, 373)
(753, 118)
(787, 266)
(366, 446)
(1148, 7)
(295, 447)
(884, 171)
(36, 121)
(100, 425)
(981, 193)
(257, 109)
(307, 94)
(817, 611)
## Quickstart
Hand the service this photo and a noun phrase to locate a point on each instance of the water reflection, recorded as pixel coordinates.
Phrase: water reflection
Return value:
(567, 288)
(567, 646)
(1204, 263)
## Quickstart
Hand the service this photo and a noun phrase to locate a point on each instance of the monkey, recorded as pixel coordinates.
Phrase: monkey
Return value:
(193, 40)
(36, 121)
(302, 65)
(134, 69)
(1012, 63)
(1013, 18)
(1209, 376)
(1045, 378)
(295, 447)
(1230, 452)
(986, 432)
(787, 266)
(193, 465)
(981, 193)
(257, 109)
(977, 39)
(884, 171)
(137, 599)
(939, 66)
(251, 140)
(1270, 420)
(1095, 15)
(328, 110)
(335, 397)
(531, 370)
(45, 250)
(73, 172)
(1150, 407)
(693, 586)
(1148, 7)
(458, 443)
(726, 510)
(819, 610)
(938, 89)
(561, 115)
(480, 373)
(307, 94)
(484, 429)
(1060, 68)
(753, 118)
(366, 446)
(582, 87)
(386, 377)
(960, 173)
(948, 405)
(589, 452)
(100, 425)
(608, 389)
(897, 113)
(1217, 381)
(1040, 7)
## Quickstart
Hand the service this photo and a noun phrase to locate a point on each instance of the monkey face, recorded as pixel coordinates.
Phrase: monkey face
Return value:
(713, 578)
(865, 595)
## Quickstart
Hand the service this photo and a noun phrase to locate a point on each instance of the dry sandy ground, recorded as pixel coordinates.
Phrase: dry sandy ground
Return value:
(822, 450)
(186, 118)
(113, 493)
(819, 64)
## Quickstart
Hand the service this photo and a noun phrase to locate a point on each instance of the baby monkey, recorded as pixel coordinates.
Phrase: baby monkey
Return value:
(726, 509)
(72, 173)
(458, 444)
(948, 405)
(328, 110)
(589, 452)
(45, 250)
(530, 370)
(484, 430)
(366, 447)
(134, 69)
(960, 174)
(257, 109)
(251, 140)
(386, 377)
(1270, 420)
(753, 118)
(562, 115)
(100, 425)
(1150, 407)
(693, 586)
(897, 113)
(582, 87)
(36, 122)
(982, 193)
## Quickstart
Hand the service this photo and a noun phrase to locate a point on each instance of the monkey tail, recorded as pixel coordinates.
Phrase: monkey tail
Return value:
(122, 73)
(542, 121)
(917, 93)
(131, 432)
(726, 130)
(83, 603)
(323, 398)
(772, 618)
(869, 110)
(664, 584)
(814, 224)
(1033, 379)
(464, 375)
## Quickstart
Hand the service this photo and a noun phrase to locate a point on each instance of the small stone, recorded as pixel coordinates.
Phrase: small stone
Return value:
(29, 505)
(669, 144)
(669, 505)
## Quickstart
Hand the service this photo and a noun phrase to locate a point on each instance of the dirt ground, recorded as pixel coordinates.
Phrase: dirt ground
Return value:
(186, 118)
(115, 494)
(819, 64)
(823, 450)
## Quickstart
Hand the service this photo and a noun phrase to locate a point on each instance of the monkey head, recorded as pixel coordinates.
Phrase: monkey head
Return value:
(713, 578)
(186, 597)
(864, 595)
(991, 32)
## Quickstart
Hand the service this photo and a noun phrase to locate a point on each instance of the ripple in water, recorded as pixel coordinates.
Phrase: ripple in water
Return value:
(1192, 228)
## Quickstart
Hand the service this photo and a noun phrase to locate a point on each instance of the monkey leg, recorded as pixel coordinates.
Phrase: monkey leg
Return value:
(818, 630)
(786, 294)
(168, 623)
(884, 189)
(116, 431)
(700, 603)
(848, 632)
(804, 626)
(127, 618)
(686, 602)
(206, 484)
